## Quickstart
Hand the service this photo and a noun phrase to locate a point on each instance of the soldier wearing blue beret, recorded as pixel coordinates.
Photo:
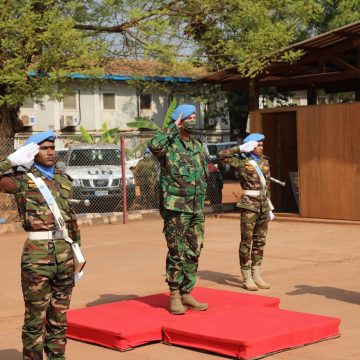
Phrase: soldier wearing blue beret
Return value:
(183, 185)
(47, 263)
(255, 205)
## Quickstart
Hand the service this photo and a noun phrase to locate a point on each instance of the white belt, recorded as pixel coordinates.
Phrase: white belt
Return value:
(47, 235)
(254, 193)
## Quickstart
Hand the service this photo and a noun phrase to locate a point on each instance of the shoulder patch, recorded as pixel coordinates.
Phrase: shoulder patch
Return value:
(66, 187)
(31, 184)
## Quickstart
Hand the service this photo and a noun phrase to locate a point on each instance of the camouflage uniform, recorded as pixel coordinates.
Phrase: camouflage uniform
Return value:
(183, 186)
(47, 267)
(254, 210)
(146, 175)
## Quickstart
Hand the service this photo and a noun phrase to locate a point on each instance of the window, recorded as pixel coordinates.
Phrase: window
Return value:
(95, 157)
(28, 103)
(108, 101)
(180, 98)
(145, 101)
(69, 101)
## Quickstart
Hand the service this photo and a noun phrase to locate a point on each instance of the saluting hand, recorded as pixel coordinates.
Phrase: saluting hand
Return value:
(178, 120)
(24, 155)
(249, 146)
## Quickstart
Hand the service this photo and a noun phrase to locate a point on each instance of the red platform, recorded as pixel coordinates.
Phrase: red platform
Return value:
(237, 324)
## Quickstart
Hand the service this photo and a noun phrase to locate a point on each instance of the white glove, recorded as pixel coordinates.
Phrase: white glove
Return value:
(249, 146)
(24, 155)
(271, 216)
(78, 276)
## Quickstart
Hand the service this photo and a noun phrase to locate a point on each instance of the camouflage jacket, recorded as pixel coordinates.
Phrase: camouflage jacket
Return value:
(249, 178)
(147, 170)
(183, 170)
(34, 212)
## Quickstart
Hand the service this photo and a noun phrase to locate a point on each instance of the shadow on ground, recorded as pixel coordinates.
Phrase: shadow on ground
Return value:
(10, 354)
(328, 292)
(110, 298)
(220, 278)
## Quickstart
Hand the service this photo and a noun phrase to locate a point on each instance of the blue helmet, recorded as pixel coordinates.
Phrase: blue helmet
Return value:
(254, 137)
(185, 109)
(40, 137)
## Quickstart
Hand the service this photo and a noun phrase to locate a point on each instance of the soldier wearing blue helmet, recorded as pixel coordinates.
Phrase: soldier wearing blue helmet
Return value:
(47, 263)
(255, 205)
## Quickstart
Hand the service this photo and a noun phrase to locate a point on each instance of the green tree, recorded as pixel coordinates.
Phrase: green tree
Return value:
(45, 41)
(39, 48)
(250, 33)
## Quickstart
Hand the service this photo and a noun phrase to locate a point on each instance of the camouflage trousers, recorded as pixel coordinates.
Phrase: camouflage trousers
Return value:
(47, 289)
(254, 228)
(184, 233)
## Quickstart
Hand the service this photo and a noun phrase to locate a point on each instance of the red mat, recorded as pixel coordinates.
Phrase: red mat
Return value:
(237, 324)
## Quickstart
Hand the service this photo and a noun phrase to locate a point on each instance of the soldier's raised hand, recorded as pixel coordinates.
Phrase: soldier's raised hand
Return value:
(24, 155)
(178, 120)
(249, 146)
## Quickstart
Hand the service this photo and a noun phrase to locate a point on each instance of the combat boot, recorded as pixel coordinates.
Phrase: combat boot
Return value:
(176, 307)
(192, 304)
(259, 281)
(248, 280)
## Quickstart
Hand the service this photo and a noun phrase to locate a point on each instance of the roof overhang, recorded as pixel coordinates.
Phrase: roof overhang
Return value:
(331, 61)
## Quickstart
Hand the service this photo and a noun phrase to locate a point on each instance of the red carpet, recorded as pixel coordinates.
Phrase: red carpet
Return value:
(237, 324)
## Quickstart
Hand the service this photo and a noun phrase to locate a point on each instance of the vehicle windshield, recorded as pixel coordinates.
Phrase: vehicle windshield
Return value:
(94, 157)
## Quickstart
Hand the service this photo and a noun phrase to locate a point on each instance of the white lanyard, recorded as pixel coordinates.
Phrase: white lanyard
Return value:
(260, 173)
(46, 193)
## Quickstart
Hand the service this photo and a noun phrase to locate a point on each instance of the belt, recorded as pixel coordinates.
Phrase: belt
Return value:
(47, 235)
(254, 193)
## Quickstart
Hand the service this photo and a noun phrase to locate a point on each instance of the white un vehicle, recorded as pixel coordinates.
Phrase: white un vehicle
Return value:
(96, 173)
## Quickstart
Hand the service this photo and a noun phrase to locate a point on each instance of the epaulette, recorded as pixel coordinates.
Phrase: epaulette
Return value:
(266, 157)
(63, 173)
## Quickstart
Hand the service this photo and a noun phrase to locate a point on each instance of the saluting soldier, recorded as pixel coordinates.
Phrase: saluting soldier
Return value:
(183, 185)
(47, 265)
(256, 208)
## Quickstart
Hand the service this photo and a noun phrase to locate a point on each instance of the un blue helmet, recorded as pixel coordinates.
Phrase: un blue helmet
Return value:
(254, 137)
(185, 109)
(40, 137)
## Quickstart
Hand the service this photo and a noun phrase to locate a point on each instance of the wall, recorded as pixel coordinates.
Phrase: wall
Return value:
(329, 161)
(328, 147)
(90, 112)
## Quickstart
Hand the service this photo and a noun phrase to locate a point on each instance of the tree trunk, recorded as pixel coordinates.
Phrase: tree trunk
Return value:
(9, 121)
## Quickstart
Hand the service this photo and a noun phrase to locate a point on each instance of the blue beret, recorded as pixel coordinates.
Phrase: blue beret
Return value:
(254, 137)
(40, 137)
(185, 109)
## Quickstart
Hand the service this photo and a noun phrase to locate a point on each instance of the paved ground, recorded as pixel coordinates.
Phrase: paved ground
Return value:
(313, 268)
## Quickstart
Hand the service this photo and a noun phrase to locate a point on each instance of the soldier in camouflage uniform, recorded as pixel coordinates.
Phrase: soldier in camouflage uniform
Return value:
(47, 266)
(254, 203)
(146, 174)
(183, 189)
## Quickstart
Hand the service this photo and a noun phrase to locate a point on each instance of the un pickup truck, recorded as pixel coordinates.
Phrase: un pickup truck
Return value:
(96, 173)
